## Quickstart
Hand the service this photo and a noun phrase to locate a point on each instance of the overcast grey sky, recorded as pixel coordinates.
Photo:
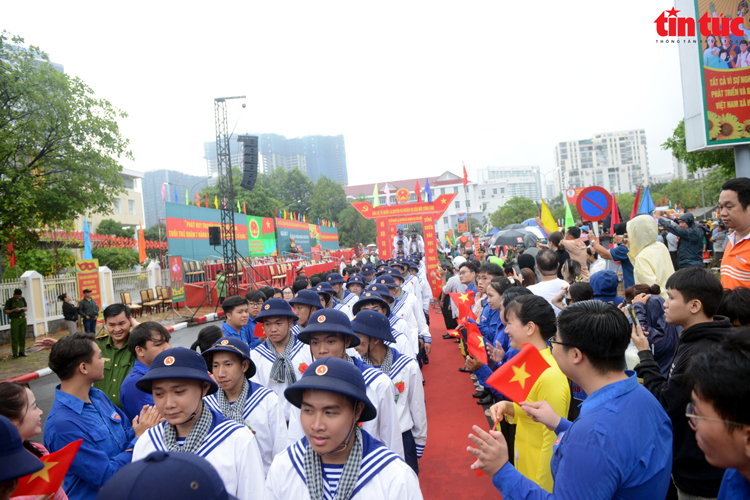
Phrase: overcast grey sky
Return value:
(415, 87)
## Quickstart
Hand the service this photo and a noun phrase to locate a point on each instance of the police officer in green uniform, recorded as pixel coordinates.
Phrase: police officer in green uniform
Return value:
(118, 360)
(16, 308)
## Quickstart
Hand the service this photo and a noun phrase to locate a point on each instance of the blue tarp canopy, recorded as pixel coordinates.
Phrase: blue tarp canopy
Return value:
(494, 231)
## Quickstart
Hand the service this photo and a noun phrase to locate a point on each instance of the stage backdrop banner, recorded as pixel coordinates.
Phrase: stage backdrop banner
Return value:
(261, 236)
(329, 238)
(187, 232)
(288, 231)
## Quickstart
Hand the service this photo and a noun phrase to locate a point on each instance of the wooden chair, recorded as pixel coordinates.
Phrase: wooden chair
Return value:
(148, 304)
(277, 273)
(135, 309)
(159, 304)
(192, 274)
(164, 296)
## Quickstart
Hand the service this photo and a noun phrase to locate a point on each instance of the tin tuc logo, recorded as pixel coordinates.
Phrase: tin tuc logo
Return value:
(670, 24)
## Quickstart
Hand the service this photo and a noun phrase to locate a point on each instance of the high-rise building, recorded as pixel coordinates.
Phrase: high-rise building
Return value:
(314, 155)
(616, 161)
(679, 170)
(521, 181)
(173, 180)
(209, 154)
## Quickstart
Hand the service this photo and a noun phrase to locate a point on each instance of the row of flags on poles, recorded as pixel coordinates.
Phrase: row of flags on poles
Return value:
(284, 214)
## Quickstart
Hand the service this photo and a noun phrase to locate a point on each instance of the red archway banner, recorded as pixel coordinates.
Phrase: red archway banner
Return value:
(387, 217)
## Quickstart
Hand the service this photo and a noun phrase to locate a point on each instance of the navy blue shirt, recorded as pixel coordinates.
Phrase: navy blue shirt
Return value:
(132, 399)
(620, 254)
(623, 442)
(106, 434)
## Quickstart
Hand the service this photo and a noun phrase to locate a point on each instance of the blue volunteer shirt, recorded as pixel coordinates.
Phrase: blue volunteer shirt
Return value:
(624, 438)
(488, 324)
(132, 399)
(248, 333)
(734, 486)
(620, 254)
(106, 434)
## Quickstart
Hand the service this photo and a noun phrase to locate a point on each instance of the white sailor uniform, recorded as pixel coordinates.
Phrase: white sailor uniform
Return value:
(382, 393)
(411, 286)
(229, 447)
(265, 418)
(403, 343)
(382, 475)
(263, 359)
(407, 308)
(345, 308)
(412, 415)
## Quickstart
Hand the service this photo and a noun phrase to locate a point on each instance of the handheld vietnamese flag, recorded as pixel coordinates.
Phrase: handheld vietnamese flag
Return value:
(259, 331)
(141, 244)
(463, 302)
(515, 378)
(466, 177)
(475, 342)
(48, 480)
(418, 190)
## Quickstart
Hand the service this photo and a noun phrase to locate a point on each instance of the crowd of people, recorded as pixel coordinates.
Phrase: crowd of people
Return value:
(316, 390)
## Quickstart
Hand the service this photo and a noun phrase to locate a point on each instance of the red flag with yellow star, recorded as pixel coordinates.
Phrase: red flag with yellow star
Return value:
(475, 342)
(259, 331)
(519, 374)
(48, 480)
(463, 302)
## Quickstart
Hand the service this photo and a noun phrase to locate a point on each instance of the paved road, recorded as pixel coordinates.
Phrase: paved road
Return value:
(44, 388)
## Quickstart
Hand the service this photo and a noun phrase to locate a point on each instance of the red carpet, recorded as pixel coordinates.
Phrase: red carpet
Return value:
(444, 471)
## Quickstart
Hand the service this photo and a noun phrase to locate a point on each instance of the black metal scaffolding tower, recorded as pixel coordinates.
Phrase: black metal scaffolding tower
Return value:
(226, 195)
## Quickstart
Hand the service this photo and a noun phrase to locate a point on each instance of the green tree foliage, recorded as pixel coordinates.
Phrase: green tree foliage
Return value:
(353, 228)
(152, 233)
(515, 211)
(114, 228)
(724, 158)
(327, 201)
(259, 202)
(292, 188)
(41, 260)
(117, 259)
(625, 204)
(60, 146)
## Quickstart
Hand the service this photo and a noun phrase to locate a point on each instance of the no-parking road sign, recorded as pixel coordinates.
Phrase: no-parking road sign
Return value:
(594, 203)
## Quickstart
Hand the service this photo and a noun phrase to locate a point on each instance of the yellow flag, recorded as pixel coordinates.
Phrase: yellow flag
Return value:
(548, 220)
(216, 202)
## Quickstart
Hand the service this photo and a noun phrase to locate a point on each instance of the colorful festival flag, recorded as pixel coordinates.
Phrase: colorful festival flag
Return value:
(244, 208)
(387, 195)
(86, 240)
(48, 480)
(141, 244)
(647, 203)
(516, 377)
(206, 200)
(569, 222)
(466, 177)
(427, 190)
(176, 200)
(636, 203)
(615, 217)
(11, 253)
(375, 196)
(216, 201)
(162, 190)
(197, 200)
(547, 220)
(418, 190)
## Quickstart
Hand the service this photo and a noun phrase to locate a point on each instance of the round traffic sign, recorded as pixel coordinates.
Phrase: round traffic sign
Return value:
(594, 203)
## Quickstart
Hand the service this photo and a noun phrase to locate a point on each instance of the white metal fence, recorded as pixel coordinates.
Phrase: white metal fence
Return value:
(55, 286)
(129, 281)
(6, 292)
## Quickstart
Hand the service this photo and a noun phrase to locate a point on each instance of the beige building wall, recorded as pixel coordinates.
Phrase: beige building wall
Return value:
(127, 208)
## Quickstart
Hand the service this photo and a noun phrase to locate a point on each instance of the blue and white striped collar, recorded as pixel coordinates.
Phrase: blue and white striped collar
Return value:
(256, 393)
(221, 429)
(264, 351)
(375, 457)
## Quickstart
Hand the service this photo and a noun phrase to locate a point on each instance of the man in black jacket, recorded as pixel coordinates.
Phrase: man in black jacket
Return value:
(694, 296)
(690, 248)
